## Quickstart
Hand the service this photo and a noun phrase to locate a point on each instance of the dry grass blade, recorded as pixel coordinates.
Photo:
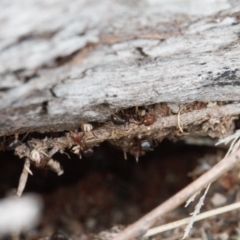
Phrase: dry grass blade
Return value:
(23, 177)
(235, 142)
(140, 227)
(191, 199)
(233, 147)
(201, 216)
(195, 213)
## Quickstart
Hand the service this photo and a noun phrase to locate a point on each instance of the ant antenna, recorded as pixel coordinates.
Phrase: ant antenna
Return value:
(28, 133)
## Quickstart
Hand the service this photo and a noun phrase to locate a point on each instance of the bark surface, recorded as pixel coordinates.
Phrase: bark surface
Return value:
(66, 61)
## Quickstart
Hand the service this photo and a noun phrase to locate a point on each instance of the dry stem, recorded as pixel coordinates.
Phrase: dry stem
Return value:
(175, 224)
(140, 227)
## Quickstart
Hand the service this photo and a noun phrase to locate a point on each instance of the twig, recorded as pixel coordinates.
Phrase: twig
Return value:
(23, 177)
(179, 121)
(195, 213)
(233, 147)
(235, 142)
(140, 227)
(183, 221)
(191, 199)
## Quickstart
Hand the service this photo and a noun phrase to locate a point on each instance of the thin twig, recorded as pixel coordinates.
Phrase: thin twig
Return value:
(199, 217)
(140, 227)
(235, 142)
(195, 213)
(191, 199)
(233, 147)
(179, 121)
(23, 177)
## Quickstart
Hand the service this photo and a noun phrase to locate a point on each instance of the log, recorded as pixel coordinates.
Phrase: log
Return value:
(66, 61)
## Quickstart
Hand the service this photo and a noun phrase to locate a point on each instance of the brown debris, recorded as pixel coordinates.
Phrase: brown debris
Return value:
(196, 117)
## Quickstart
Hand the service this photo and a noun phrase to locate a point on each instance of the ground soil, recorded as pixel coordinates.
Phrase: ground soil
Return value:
(104, 191)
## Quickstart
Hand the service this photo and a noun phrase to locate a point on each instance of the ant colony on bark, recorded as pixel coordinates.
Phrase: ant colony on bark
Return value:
(39, 152)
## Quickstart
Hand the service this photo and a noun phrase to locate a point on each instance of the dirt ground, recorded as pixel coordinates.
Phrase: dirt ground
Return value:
(98, 196)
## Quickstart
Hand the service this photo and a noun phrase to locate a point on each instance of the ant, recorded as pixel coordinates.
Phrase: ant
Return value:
(138, 147)
(138, 117)
(79, 138)
(11, 143)
(148, 119)
(122, 117)
(118, 120)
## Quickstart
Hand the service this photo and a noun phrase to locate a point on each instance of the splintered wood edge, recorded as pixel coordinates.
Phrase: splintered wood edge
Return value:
(163, 126)
(214, 121)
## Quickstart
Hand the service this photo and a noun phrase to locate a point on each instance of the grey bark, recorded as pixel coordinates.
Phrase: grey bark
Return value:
(64, 61)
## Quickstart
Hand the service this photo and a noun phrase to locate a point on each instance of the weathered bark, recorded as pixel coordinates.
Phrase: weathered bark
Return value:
(65, 61)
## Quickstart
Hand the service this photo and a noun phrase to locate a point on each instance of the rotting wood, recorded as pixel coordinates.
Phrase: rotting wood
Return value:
(214, 121)
(56, 71)
(197, 118)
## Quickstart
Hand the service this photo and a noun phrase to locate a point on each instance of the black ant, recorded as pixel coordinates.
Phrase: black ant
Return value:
(118, 120)
(138, 147)
(136, 116)
(11, 143)
(122, 117)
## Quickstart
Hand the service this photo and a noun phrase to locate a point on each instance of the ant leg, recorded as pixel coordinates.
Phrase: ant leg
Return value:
(137, 158)
(125, 155)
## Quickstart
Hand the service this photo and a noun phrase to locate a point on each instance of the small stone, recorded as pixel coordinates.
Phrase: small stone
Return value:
(218, 200)
(174, 107)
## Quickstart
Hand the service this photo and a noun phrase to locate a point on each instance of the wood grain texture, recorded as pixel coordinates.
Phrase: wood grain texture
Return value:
(62, 61)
